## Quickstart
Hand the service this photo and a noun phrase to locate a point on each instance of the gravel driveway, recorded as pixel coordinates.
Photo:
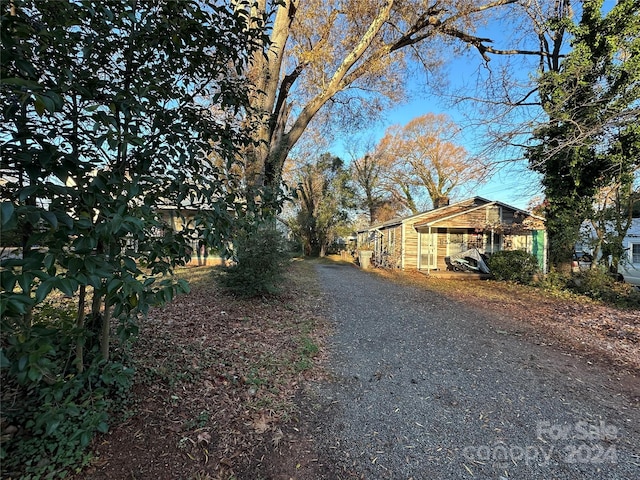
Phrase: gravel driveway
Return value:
(426, 388)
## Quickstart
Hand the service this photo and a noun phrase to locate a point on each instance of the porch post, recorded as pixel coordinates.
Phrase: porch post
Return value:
(419, 259)
(431, 250)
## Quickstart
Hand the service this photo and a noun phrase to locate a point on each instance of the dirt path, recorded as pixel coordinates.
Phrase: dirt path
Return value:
(424, 387)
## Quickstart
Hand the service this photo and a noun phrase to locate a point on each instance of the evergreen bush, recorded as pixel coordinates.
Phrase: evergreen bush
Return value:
(260, 259)
(51, 411)
(513, 265)
(600, 285)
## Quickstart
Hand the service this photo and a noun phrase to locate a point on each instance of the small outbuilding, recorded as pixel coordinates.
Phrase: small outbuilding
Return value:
(423, 241)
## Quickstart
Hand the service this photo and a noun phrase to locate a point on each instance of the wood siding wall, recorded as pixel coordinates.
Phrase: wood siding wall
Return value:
(475, 219)
(475, 224)
(410, 254)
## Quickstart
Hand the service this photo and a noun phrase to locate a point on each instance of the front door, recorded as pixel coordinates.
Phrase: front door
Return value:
(428, 251)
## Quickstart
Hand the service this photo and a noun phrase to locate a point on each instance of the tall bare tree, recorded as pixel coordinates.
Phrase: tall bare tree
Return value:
(501, 99)
(370, 176)
(424, 155)
(348, 56)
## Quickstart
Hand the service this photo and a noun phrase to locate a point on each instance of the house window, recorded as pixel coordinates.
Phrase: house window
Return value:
(635, 253)
(494, 215)
(493, 242)
(457, 241)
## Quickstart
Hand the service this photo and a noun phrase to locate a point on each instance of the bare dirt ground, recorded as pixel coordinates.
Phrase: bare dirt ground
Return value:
(220, 381)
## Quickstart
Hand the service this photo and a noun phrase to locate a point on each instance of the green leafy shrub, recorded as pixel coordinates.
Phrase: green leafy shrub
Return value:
(556, 284)
(600, 285)
(596, 284)
(113, 144)
(513, 265)
(53, 410)
(260, 261)
(57, 422)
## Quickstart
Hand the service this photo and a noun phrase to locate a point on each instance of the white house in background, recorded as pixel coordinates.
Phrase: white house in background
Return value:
(629, 268)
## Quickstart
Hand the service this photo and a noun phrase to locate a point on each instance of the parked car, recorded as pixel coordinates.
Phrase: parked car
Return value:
(630, 273)
(581, 261)
(629, 265)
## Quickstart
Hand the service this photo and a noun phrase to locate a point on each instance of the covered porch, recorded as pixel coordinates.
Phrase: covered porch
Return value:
(437, 244)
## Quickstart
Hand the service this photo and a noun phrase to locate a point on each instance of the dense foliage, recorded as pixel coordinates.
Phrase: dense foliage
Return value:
(513, 265)
(591, 102)
(595, 283)
(598, 284)
(111, 109)
(323, 199)
(260, 258)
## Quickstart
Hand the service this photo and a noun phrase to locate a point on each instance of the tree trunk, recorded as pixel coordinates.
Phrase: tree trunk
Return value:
(79, 325)
(105, 333)
(272, 104)
(94, 323)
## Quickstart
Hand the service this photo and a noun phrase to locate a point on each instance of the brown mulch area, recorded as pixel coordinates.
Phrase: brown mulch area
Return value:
(216, 382)
(218, 377)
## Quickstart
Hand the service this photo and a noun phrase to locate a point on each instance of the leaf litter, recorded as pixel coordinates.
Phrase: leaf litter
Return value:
(218, 377)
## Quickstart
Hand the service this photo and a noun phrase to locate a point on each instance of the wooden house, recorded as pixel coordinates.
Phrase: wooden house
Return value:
(424, 240)
(181, 218)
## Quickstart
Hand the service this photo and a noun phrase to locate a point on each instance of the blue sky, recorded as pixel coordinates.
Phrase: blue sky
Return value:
(513, 183)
